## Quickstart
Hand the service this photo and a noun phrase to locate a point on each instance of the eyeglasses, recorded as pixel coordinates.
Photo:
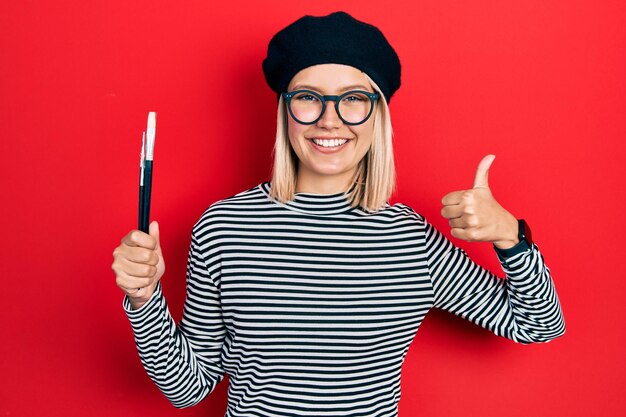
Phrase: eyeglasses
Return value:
(353, 107)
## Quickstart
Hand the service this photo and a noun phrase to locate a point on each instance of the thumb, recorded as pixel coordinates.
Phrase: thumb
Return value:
(154, 232)
(481, 180)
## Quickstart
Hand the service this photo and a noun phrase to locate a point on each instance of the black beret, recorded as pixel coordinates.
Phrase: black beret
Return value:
(334, 39)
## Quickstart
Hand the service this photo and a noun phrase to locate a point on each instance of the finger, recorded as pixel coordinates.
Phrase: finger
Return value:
(140, 239)
(126, 281)
(135, 269)
(466, 234)
(470, 234)
(465, 222)
(140, 293)
(455, 197)
(141, 255)
(481, 180)
(130, 291)
(135, 293)
(459, 223)
(457, 232)
(452, 212)
(154, 232)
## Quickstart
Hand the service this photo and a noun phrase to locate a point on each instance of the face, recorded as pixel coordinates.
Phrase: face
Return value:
(329, 166)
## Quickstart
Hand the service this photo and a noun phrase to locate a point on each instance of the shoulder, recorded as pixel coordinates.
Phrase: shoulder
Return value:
(403, 211)
(397, 217)
(245, 198)
(236, 206)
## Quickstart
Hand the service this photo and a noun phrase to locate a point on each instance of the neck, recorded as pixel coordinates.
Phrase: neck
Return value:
(309, 182)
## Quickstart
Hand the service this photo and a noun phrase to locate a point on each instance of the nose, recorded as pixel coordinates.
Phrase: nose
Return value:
(329, 118)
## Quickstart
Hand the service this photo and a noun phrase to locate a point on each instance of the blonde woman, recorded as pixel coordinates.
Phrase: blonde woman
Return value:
(308, 289)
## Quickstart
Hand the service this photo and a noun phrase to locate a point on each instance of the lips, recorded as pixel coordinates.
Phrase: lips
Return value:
(329, 142)
(328, 145)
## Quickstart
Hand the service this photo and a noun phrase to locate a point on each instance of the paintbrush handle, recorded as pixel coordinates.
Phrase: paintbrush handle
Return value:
(144, 218)
(141, 203)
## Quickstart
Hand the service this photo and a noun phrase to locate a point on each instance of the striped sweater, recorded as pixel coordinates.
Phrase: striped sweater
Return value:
(310, 306)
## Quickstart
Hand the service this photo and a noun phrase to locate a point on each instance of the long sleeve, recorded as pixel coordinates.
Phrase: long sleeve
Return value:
(310, 306)
(183, 361)
(524, 307)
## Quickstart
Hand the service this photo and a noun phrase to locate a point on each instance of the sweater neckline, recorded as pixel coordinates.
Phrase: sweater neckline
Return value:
(312, 203)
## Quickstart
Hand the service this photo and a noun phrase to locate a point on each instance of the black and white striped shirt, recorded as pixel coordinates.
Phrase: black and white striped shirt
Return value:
(310, 306)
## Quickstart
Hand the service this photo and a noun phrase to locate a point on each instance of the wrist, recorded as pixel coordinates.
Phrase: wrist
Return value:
(136, 304)
(142, 296)
(510, 234)
(505, 244)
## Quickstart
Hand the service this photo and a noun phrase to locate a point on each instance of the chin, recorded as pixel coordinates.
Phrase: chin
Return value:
(329, 170)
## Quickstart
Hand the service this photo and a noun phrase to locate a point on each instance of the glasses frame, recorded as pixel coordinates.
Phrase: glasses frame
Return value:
(372, 96)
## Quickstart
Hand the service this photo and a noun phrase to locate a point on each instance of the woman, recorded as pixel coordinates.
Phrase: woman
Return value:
(308, 290)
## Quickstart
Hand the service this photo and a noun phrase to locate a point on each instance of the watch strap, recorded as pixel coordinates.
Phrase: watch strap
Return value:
(522, 246)
(525, 241)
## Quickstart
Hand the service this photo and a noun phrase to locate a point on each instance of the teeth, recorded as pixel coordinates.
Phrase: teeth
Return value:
(329, 143)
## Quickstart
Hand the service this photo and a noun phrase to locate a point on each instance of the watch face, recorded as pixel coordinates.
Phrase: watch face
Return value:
(524, 232)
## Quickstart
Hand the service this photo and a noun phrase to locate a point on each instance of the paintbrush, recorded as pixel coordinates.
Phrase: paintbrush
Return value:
(142, 164)
(144, 215)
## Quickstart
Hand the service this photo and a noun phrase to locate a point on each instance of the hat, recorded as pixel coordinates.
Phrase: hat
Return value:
(337, 38)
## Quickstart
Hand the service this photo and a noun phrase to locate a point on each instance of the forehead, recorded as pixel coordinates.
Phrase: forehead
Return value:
(329, 78)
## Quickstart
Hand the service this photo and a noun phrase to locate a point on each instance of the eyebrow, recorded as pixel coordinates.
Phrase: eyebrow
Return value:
(344, 88)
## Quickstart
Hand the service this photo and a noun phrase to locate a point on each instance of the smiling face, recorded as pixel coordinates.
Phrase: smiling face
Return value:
(329, 150)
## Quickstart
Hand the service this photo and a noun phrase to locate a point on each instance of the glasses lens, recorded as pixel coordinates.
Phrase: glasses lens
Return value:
(354, 107)
(306, 107)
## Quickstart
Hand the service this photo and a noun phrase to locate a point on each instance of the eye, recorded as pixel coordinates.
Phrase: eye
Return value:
(306, 97)
(354, 98)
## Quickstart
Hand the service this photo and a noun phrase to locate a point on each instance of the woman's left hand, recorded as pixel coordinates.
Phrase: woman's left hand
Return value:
(474, 215)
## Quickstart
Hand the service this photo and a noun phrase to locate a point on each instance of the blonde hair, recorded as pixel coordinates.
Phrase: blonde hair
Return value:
(374, 179)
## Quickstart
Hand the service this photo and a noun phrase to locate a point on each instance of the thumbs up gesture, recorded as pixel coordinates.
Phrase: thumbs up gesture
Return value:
(474, 215)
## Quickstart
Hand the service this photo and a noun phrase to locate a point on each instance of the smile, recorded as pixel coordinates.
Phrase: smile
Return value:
(329, 143)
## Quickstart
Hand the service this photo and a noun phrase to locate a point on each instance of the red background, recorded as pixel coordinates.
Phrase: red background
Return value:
(539, 83)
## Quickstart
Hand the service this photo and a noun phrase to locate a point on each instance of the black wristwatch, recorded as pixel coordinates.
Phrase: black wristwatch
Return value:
(523, 232)
(525, 241)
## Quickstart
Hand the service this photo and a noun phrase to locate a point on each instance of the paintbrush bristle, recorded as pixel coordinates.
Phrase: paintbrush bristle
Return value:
(143, 149)
(151, 120)
(151, 132)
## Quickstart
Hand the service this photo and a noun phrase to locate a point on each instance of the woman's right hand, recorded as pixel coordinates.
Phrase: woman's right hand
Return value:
(138, 264)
